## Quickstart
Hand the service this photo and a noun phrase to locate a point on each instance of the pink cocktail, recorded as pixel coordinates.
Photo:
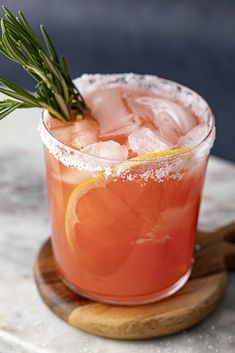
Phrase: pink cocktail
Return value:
(125, 187)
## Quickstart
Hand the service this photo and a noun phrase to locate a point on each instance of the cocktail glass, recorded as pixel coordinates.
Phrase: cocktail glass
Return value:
(123, 232)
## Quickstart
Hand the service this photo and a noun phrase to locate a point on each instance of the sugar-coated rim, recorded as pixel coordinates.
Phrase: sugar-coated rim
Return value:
(167, 88)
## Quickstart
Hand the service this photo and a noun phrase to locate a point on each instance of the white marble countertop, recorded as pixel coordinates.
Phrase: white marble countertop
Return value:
(26, 324)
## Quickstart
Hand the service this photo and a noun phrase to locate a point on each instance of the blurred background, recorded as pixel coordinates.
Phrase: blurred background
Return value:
(189, 41)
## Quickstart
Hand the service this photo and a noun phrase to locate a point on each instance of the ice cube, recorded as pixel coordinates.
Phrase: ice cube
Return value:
(185, 119)
(107, 149)
(132, 123)
(77, 134)
(194, 136)
(64, 133)
(167, 127)
(111, 111)
(144, 141)
(50, 121)
(85, 133)
(181, 119)
(154, 113)
(138, 106)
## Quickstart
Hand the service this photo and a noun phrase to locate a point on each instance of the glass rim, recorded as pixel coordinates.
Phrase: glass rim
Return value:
(188, 150)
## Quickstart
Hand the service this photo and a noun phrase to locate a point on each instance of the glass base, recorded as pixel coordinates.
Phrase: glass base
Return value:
(131, 300)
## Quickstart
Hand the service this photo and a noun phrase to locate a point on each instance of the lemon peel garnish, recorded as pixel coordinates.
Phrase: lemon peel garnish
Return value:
(161, 154)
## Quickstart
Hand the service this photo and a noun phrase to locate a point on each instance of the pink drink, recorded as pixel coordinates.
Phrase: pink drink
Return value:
(125, 187)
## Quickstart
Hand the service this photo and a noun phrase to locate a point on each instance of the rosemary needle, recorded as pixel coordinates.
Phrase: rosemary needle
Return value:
(55, 90)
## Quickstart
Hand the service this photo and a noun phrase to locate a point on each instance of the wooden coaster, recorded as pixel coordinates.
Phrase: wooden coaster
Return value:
(190, 305)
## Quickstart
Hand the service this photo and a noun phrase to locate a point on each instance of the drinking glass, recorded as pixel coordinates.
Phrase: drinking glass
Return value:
(123, 232)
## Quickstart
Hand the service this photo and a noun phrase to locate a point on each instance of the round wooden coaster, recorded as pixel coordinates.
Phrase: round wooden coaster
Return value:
(193, 303)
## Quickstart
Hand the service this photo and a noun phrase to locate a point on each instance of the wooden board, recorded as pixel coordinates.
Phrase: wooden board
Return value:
(193, 303)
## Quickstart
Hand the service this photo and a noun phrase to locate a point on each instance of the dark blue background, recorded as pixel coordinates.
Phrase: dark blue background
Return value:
(192, 42)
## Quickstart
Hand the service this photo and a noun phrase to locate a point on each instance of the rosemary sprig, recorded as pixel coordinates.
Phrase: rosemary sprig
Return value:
(55, 90)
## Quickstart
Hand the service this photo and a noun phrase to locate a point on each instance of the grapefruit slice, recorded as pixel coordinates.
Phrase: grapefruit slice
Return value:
(102, 220)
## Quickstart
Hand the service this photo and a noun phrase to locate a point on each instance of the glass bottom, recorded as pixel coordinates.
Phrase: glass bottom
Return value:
(130, 300)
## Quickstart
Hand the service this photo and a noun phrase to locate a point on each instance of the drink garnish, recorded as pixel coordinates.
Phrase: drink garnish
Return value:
(100, 180)
(55, 90)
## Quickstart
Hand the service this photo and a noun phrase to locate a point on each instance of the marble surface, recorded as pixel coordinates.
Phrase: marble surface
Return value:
(26, 325)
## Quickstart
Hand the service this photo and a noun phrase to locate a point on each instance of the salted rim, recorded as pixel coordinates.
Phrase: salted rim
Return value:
(167, 88)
